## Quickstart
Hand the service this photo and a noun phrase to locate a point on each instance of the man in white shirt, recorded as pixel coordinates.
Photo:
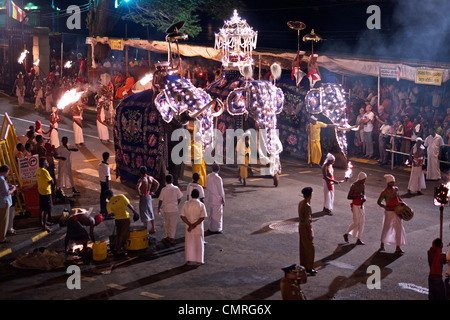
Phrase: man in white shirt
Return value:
(195, 185)
(104, 174)
(434, 144)
(169, 199)
(193, 212)
(65, 177)
(216, 200)
(368, 120)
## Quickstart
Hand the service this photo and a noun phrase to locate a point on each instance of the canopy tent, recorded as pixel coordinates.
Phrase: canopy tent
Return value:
(265, 58)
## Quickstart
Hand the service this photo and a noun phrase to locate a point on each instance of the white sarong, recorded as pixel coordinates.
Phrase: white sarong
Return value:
(78, 132)
(215, 217)
(393, 231)
(328, 196)
(416, 180)
(355, 230)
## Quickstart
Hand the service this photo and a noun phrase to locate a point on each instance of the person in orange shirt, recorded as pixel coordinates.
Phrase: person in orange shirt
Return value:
(123, 91)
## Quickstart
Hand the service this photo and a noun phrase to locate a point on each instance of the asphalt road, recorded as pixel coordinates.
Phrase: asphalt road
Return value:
(260, 237)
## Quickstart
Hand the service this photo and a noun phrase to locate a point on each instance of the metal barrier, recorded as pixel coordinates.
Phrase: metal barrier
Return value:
(393, 152)
(8, 142)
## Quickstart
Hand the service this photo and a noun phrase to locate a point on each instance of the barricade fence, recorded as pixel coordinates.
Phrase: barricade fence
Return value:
(394, 152)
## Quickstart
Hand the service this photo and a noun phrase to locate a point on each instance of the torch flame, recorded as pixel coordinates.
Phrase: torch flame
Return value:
(348, 173)
(146, 79)
(68, 64)
(69, 97)
(22, 56)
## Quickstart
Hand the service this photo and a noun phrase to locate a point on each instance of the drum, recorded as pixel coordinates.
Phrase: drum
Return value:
(137, 240)
(403, 211)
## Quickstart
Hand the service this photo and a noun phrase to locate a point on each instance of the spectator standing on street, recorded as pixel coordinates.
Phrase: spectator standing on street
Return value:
(193, 212)
(104, 174)
(44, 182)
(6, 191)
(195, 185)
(146, 187)
(65, 176)
(306, 232)
(407, 133)
(169, 199)
(368, 120)
(216, 200)
(434, 144)
(118, 207)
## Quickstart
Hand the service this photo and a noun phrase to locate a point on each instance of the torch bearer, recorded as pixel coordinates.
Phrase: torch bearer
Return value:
(441, 199)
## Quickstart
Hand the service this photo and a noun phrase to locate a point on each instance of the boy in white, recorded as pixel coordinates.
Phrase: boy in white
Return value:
(169, 199)
(193, 212)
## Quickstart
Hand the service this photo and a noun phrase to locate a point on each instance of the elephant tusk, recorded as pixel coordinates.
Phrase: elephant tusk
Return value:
(222, 109)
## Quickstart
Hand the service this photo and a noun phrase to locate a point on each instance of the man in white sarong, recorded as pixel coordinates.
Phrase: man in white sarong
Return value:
(65, 177)
(216, 200)
(169, 199)
(77, 116)
(38, 89)
(433, 143)
(393, 231)
(417, 178)
(19, 86)
(313, 70)
(102, 125)
(357, 195)
(193, 212)
(328, 184)
(54, 119)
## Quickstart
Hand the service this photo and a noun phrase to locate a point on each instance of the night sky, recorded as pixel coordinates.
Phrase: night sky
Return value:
(410, 29)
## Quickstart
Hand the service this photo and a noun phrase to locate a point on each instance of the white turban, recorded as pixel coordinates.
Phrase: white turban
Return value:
(330, 157)
(389, 178)
(362, 176)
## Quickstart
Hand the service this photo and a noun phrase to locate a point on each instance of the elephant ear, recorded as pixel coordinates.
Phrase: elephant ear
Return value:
(163, 107)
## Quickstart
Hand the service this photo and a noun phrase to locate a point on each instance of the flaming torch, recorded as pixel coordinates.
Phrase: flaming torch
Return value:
(22, 56)
(68, 64)
(348, 173)
(441, 197)
(69, 97)
(146, 79)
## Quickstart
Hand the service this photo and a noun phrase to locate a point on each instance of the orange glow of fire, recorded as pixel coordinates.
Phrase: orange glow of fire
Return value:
(22, 56)
(146, 79)
(348, 173)
(69, 97)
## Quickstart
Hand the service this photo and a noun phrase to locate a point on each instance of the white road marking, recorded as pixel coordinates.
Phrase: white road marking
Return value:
(413, 287)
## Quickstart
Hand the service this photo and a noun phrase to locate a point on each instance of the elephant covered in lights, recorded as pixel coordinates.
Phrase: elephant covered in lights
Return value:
(252, 104)
(144, 123)
(329, 101)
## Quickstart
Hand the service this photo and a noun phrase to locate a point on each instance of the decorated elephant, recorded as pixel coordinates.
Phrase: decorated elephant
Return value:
(145, 121)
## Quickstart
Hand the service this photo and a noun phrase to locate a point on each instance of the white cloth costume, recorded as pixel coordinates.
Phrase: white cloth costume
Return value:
(169, 196)
(328, 194)
(216, 198)
(433, 145)
(417, 178)
(193, 210)
(78, 131)
(65, 177)
(54, 137)
(103, 133)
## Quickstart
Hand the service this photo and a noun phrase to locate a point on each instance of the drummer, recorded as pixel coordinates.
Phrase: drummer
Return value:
(392, 231)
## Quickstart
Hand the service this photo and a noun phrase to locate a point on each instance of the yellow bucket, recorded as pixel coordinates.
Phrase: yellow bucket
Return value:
(137, 240)
(99, 251)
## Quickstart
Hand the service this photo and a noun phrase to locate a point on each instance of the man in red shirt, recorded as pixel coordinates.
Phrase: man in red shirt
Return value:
(406, 141)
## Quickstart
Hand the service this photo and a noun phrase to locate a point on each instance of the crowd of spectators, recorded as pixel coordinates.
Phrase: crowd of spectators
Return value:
(403, 112)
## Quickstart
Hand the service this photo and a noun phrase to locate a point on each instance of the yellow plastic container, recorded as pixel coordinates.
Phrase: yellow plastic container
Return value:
(137, 240)
(99, 251)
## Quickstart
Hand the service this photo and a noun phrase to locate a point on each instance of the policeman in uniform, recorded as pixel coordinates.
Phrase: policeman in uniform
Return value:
(290, 284)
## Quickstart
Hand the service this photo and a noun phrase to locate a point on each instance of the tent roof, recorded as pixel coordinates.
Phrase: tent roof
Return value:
(342, 64)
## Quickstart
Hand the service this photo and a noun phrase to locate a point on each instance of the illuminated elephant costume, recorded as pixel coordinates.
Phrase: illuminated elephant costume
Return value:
(145, 121)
